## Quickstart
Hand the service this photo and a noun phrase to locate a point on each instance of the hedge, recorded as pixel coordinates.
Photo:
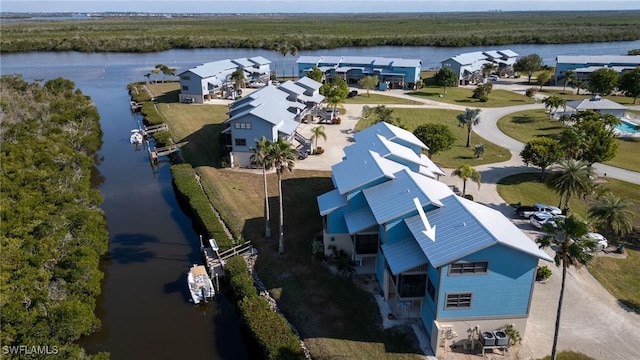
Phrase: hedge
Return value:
(151, 115)
(184, 178)
(271, 331)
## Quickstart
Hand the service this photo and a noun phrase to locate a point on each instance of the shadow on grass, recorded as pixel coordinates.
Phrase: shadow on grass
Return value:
(169, 97)
(516, 179)
(202, 147)
(424, 93)
(319, 303)
(522, 119)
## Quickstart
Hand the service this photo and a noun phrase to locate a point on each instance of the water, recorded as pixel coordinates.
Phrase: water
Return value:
(144, 307)
(627, 127)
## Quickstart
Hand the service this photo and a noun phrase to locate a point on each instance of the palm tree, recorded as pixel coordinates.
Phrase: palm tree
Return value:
(293, 51)
(570, 78)
(284, 50)
(238, 78)
(318, 132)
(572, 177)
(553, 103)
(488, 68)
(466, 172)
(148, 76)
(469, 118)
(260, 157)
(155, 71)
(613, 214)
(571, 249)
(282, 156)
(572, 142)
(479, 150)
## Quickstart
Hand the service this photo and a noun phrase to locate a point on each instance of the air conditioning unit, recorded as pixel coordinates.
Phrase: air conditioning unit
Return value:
(501, 338)
(487, 338)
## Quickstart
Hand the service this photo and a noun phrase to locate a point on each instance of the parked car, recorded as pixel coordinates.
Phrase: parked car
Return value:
(494, 78)
(188, 100)
(528, 211)
(540, 218)
(600, 241)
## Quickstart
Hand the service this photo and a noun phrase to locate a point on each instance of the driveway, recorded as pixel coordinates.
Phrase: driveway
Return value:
(593, 322)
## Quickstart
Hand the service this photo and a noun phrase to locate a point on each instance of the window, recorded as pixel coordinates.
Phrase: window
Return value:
(411, 285)
(458, 301)
(431, 289)
(461, 268)
(185, 87)
(367, 244)
(242, 125)
(185, 77)
(241, 142)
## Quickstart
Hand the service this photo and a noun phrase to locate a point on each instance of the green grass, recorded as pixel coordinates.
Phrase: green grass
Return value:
(377, 99)
(462, 96)
(621, 277)
(334, 317)
(459, 154)
(569, 95)
(524, 125)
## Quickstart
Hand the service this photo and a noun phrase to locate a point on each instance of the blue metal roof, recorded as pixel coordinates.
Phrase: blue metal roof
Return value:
(330, 201)
(362, 168)
(390, 132)
(359, 219)
(403, 255)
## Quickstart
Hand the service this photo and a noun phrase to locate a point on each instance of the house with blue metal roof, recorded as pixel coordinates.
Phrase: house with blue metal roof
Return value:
(475, 274)
(468, 66)
(584, 65)
(392, 73)
(213, 79)
(273, 112)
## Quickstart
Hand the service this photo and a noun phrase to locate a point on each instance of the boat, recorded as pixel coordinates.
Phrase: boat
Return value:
(213, 244)
(136, 137)
(200, 285)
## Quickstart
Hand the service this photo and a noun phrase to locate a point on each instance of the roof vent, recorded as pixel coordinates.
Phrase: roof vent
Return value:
(596, 98)
(464, 223)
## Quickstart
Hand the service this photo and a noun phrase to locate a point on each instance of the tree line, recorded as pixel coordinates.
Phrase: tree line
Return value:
(53, 230)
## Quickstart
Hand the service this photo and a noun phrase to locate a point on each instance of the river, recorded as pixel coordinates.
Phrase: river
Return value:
(144, 307)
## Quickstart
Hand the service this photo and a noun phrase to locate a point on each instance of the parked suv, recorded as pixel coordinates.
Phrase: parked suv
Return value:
(540, 218)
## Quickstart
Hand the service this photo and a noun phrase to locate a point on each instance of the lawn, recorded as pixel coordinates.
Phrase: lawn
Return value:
(569, 95)
(375, 98)
(459, 154)
(524, 125)
(462, 96)
(621, 277)
(334, 317)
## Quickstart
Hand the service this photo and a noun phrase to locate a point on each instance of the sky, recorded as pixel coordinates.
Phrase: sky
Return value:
(308, 6)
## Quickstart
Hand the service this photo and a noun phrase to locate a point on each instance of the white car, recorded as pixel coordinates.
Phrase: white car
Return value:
(494, 78)
(600, 241)
(540, 218)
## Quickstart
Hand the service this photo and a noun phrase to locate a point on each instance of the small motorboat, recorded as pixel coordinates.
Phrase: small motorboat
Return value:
(213, 244)
(200, 285)
(136, 137)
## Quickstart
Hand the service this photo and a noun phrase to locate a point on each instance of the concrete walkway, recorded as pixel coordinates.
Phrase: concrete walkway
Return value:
(593, 321)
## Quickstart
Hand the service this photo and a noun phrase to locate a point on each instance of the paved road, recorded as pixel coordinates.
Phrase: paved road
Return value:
(593, 322)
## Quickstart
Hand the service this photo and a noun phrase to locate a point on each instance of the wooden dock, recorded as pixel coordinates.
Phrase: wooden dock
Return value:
(215, 259)
(150, 130)
(162, 151)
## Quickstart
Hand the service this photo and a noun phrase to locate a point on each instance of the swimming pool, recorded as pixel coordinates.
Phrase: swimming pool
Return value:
(627, 127)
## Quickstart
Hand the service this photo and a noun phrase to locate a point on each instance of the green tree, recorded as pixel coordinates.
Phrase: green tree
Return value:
(541, 152)
(238, 78)
(260, 155)
(553, 103)
(438, 137)
(382, 114)
(335, 91)
(318, 132)
(466, 172)
(613, 214)
(600, 141)
(148, 76)
(368, 83)
(283, 49)
(293, 51)
(482, 92)
(445, 77)
(479, 150)
(630, 84)
(488, 68)
(156, 72)
(568, 240)
(569, 78)
(316, 74)
(283, 157)
(469, 118)
(570, 178)
(529, 65)
(603, 81)
(572, 142)
(543, 78)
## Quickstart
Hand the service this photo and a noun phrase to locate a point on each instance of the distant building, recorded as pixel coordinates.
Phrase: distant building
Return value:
(273, 112)
(599, 105)
(468, 66)
(392, 73)
(213, 79)
(584, 65)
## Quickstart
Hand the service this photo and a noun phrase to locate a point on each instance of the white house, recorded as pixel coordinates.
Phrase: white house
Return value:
(468, 66)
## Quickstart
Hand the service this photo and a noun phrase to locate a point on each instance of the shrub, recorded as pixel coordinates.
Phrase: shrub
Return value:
(187, 187)
(530, 92)
(543, 273)
(151, 116)
(468, 197)
(319, 150)
(163, 138)
(239, 278)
